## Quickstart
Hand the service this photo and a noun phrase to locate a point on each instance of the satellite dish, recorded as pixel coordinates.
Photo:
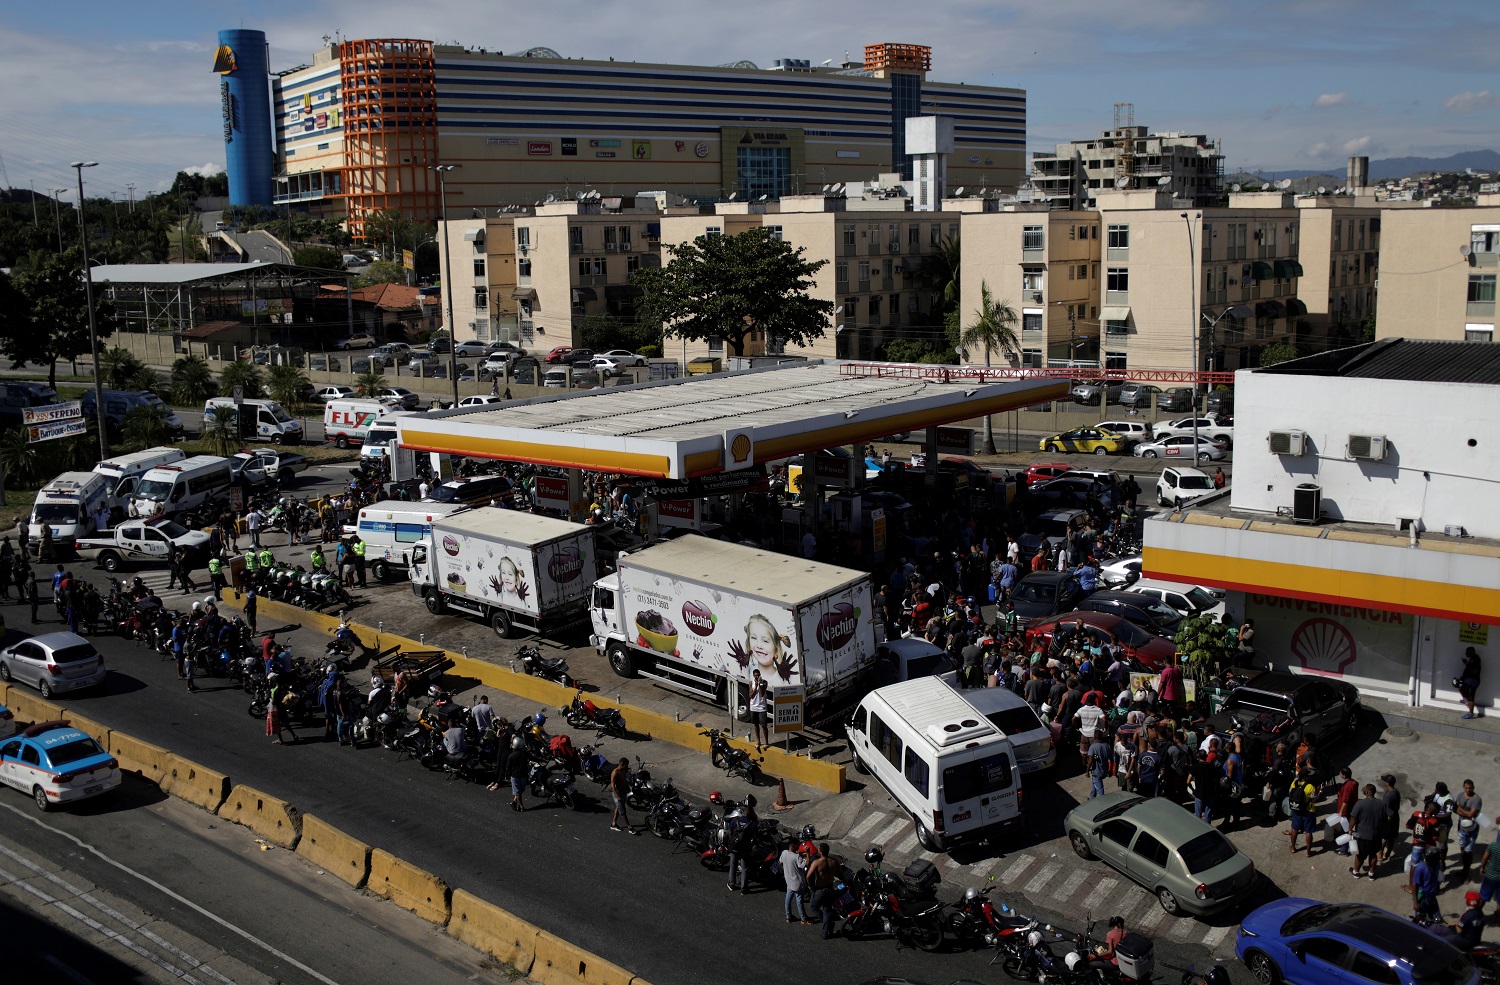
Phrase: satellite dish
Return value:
(763, 198)
(827, 61)
(733, 196)
(1463, 251)
(960, 192)
(1284, 184)
(551, 198)
(1235, 187)
(825, 189)
(1322, 190)
(1164, 180)
(1122, 182)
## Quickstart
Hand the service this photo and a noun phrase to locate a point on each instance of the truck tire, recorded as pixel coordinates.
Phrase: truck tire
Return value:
(275, 439)
(381, 570)
(500, 623)
(434, 601)
(109, 561)
(620, 660)
(341, 442)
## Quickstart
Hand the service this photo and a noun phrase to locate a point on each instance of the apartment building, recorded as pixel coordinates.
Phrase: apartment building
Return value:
(1438, 270)
(1346, 232)
(1188, 165)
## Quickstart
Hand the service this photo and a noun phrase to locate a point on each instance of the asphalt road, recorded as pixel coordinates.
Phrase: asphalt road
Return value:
(630, 900)
(138, 887)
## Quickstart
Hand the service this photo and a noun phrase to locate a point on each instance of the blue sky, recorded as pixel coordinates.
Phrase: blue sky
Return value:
(1284, 85)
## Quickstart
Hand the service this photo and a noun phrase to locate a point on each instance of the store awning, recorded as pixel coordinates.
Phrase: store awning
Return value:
(584, 294)
(1269, 309)
(1119, 312)
(524, 293)
(1295, 307)
(474, 235)
(1296, 267)
(1282, 269)
(1260, 270)
(622, 292)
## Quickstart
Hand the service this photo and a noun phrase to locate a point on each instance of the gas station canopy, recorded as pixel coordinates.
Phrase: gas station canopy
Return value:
(685, 427)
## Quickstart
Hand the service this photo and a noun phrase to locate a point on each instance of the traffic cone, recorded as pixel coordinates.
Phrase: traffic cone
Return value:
(781, 804)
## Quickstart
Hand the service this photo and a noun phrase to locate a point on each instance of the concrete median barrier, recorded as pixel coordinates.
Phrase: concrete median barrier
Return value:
(345, 857)
(31, 708)
(561, 963)
(409, 887)
(500, 934)
(149, 761)
(270, 817)
(186, 780)
(88, 725)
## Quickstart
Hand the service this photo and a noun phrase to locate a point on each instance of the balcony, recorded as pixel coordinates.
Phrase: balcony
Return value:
(1480, 309)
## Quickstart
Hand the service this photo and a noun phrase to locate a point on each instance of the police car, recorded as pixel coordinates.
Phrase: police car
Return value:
(57, 764)
(141, 542)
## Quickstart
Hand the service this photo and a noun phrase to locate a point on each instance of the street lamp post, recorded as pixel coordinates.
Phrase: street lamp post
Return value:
(442, 172)
(88, 289)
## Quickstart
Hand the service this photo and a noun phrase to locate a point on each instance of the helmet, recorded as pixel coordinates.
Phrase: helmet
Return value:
(750, 800)
(716, 798)
(873, 855)
(208, 600)
(972, 893)
(305, 580)
(197, 606)
(1217, 976)
(809, 832)
(1034, 939)
(1073, 960)
(137, 582)
(1471, 898)
(517, 742)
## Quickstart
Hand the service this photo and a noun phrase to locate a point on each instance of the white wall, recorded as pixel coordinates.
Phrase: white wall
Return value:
(1443, 461)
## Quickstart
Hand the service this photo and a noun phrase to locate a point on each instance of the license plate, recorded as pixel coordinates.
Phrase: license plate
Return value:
(94, 789)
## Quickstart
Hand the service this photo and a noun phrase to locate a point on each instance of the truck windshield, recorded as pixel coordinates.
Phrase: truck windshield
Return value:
(154, 489)
(56, 513)
(277, 412)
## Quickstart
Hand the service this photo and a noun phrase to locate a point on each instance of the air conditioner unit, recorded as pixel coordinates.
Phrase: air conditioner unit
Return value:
(1370, 447)
(1287, 442)
(1307, 502)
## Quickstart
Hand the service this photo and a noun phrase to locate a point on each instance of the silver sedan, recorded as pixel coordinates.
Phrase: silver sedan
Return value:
(1181, 446)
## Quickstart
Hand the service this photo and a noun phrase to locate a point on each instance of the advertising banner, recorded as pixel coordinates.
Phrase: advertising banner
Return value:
(1362, 645)
(789, 703)
(507, 575)
(59, 429)
(54, 412)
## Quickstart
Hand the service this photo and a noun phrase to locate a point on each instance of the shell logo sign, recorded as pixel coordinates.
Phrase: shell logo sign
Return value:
(740, 449)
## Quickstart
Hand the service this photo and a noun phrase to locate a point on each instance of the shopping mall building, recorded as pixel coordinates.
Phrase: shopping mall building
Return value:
(358, 129)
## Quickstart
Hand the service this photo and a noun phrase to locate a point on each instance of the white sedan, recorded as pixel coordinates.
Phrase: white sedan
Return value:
(624, 357)
(607, 366)
(472, 347)
(1181, 446)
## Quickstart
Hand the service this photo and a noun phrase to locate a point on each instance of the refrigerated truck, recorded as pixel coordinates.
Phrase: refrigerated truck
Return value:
(508, 569)
(700, 616)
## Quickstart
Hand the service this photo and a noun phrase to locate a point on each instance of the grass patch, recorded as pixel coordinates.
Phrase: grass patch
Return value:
(18, 503)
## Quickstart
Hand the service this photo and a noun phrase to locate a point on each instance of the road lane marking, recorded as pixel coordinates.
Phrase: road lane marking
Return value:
(114, 914)
(1214, 937)
(1101, 891)
(908, 844)
(1070, 886)
(234, 928)
(1015, 869)
(888, 832)
(866, 823)
(1047, 873)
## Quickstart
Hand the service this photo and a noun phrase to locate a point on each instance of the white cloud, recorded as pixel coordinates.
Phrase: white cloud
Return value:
(1318, 150)
(1467, 102)
(1331, 99)
(1358, 145)
(204, 169)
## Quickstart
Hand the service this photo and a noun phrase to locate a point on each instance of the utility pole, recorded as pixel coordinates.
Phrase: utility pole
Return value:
(88, 286)
(442, 173)
(34, 223)
(57, 214)
(131, 186)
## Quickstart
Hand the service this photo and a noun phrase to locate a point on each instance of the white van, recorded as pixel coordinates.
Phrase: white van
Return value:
(1009, 712)
(381, 434)
(390, 527)
(67, 505)
(272, 422)
(181, 489)
(346, 422)
(124, 471)
(946, 765)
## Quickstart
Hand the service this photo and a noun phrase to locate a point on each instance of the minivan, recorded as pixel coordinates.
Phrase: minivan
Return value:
(380, 435)
(67, 505)
(118, 403)
(909, 658)
(945, 764)
(182, 489)
(389, 529)
(123, 471)
(347, 421)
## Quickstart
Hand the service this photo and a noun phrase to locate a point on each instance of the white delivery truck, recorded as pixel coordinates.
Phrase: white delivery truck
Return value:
(265, 419)
(378, 438)
(700, 615)
(123, 471)
(348, 422)
(507, 568)
(67, 505)
(392, 527)
(182, 489)
(947, 765)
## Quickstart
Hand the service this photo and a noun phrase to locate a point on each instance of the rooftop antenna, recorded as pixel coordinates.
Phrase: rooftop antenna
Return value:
(1236, 187)
(1122, 182)
(732, 196)
(1321, 190)
(551, 198)
(763, 198)
(827, 62)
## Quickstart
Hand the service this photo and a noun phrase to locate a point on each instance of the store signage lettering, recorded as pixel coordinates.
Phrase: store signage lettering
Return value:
(570, 146)
(1329, 609)
(604, 143)
(226, 107)
(539, 148)
(604, 153)
(700, 149)
(53, 412)
(713, 484)
(503, 141)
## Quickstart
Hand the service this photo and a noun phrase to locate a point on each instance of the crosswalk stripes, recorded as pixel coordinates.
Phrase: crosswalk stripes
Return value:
(1071, 885)
(1101, 891)
(1183, 930)
(1014, 870)
(865, 824)
(1149, 921)
(906, 845)
(1045, 875)
(1214, 937)
(888, 832)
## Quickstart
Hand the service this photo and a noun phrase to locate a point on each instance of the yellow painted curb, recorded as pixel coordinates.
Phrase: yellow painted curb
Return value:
(323, 844)
(186, 780)
(151, 762)
(409, 887)
(486, 927)
(561, 963)
(270, 817)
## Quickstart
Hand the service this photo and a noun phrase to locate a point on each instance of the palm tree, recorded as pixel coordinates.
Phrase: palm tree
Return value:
(370, 384)
(192, 382)
(994, 327)
(140, 378)
(222, 434)
(23, 460)
(146, 427)
(116, 365)
(242, 374)
(286, 384)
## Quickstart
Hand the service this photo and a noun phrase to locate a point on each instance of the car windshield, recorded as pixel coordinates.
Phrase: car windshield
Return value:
(1309, 919)
(933, 663)
(1118, 809)
(74, 653)
(1455, 972)
(72, 752)
(1015, 721)
(446, 494)
(1195, 481)
(1053, 526)
(56, 513)
(172, 530)
(1201, 600)
(277, 412)
(154, 489)
(1160, 611)
(1131, 635)
(1206, 851)
(1036, 591)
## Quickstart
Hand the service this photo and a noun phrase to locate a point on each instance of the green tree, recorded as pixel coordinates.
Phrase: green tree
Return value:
(321, 257)
(145, 427)
(24, 461)
(52, 323)
(993, 329)
(286, 383)
(141, 378)
(369, 384)
(1202, 645)
(1367, 333)
(390, 232)
(1278, 352)
(221, 432)
(911, 351)
(382, 272)
(118, 366)
(604, 332)
(192, 381)
(242, 374)
(730, 287)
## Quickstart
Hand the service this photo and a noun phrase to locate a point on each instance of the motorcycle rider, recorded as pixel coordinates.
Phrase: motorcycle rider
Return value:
(455, 743)
(482, 714)
(741, 846)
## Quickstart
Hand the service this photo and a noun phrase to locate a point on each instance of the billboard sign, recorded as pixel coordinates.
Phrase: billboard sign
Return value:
(539, 148)
(570, 147)
(58, 429)
(54, 412)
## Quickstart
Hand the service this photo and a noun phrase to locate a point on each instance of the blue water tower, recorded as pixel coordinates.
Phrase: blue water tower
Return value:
(245, 104)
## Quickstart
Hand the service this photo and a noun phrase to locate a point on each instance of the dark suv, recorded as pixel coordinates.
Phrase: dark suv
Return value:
(1151, 614)
(1044, 593)
(1276, 705)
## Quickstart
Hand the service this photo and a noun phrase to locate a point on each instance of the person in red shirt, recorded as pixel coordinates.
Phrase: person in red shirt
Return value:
(1172, 690)
(1348, 794)
(1039, 562)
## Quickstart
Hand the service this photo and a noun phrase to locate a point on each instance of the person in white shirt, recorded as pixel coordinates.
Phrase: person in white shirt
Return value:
(1089, 718)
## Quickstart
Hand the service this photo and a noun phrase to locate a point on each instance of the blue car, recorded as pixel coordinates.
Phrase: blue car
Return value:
(1305, 942)
(54, 763)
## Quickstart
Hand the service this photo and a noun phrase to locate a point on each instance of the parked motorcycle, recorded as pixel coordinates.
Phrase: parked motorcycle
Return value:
(547, 668)
(881, 912)
(553, 785)
(730, 758)
(583, 713)
(974, 920)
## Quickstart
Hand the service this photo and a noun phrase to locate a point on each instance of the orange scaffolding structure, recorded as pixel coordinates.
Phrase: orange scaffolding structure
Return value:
(389, 94)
